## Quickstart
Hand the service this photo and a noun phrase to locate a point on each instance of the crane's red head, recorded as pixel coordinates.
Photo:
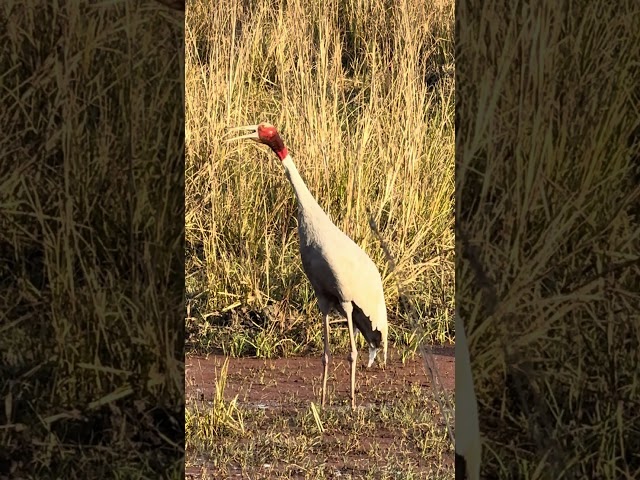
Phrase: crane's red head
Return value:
(264, 133)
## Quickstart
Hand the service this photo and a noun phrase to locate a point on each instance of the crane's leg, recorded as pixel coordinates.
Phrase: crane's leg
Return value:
(353, 356)
(325, 358)
(384, 349)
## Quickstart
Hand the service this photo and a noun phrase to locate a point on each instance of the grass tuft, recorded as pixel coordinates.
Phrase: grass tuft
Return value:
(222, 418)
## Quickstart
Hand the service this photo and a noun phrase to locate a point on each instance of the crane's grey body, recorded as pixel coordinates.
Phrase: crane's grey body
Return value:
(342, 275)
(340, 272)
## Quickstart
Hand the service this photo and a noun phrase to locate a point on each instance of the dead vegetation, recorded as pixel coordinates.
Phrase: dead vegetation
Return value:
(90, 225)
(547, 282)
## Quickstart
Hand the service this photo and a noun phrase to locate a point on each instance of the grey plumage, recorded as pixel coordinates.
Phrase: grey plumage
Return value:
(338, 269)
(342, 275)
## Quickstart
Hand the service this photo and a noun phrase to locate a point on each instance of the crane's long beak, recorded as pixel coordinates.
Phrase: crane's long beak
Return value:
(253, 135)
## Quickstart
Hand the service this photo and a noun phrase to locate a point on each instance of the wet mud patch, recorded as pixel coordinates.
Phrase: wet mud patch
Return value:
(397, 431)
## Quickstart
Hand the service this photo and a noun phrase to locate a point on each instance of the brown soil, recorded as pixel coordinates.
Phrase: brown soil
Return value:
(292, 383)
(286, 381)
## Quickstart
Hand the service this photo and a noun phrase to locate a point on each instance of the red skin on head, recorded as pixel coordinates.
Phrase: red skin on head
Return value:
(270, 136)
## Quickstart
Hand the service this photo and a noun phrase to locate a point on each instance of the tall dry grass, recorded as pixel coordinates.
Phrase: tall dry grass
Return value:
(363, 95)
(91, 157)
(547, 282)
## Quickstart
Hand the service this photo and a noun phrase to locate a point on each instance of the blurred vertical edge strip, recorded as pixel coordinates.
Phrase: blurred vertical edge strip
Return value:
(547, 232)
(91, 240)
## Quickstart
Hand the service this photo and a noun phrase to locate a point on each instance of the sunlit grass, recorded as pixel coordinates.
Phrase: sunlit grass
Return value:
(363, 97)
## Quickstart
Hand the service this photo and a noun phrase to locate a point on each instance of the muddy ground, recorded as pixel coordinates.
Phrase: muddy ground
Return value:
(287, 385)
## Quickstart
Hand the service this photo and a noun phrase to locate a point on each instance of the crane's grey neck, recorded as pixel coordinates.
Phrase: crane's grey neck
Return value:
(306, 200)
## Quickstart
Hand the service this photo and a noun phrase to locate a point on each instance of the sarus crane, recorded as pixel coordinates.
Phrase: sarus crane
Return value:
(342, 275)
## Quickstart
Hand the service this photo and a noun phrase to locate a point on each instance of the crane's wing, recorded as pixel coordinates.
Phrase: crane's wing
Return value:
(344, 272)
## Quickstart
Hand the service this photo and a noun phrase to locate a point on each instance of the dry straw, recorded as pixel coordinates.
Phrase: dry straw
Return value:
(547, 278)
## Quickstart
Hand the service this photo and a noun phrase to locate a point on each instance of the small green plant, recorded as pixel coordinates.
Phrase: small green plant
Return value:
(408, 344)
(316, 417)
(221, 418)
(237, 344)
